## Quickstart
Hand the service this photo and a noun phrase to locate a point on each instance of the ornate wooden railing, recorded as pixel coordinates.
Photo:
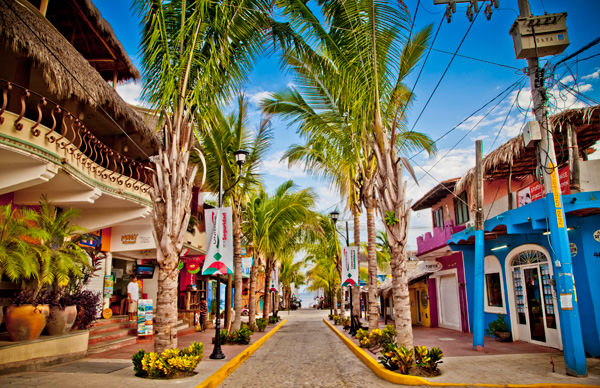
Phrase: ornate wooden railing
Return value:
(58, 126)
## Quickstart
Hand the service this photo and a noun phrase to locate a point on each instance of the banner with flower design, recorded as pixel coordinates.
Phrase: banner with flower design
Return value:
(219, 255)
(349, 266)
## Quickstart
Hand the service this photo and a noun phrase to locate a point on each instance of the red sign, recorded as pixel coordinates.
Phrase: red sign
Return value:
(535, 191)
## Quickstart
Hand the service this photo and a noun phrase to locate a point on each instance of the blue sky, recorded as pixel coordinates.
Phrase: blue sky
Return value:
(467, 85)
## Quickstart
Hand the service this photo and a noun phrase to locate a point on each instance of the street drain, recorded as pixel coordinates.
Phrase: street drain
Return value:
(89, 367)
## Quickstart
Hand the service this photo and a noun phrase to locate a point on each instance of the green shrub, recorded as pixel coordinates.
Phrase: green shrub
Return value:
(137, 363)
(388, 335)
(428, 359)
(497, 326)
(252, 326)
(261, 324)
(273, 319)
(396, 358)
(241, 336)
(247, 326)
(224, 334)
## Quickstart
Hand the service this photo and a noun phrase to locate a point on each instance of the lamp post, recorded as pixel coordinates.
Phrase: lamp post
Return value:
(335, 216)
(217, 353)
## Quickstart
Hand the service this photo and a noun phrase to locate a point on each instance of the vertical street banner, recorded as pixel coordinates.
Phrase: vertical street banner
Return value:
(274, 280)
(219, 242)
(350, 266)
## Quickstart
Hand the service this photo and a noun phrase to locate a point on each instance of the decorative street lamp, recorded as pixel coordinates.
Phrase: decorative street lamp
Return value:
(217, 353)
(335, 216)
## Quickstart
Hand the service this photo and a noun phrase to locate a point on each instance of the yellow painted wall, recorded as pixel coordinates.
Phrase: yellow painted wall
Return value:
(417, 307)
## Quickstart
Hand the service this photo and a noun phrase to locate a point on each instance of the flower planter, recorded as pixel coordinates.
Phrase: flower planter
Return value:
(502, 336)
(61, 320)
(26, 322)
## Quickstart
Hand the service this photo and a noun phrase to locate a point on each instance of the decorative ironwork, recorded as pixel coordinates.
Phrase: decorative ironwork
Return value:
(529, 257)
(71, 135)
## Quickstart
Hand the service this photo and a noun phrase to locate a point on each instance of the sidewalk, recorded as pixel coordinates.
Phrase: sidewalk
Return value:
(500, 364)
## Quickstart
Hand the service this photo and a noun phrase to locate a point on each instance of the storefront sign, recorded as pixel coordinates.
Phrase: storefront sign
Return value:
(535, 191)
(597, 235)
(430, 266)
(566, 301)
(132, 238)
(246, 266)
(94, 239)
(108, 286)
(219, 255)
(349, 266)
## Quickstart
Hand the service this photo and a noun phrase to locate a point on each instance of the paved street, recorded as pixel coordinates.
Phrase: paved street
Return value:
(304, 353)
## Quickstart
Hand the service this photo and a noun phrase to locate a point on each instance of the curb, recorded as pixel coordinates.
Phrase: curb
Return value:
(397, 378)
(221, 374)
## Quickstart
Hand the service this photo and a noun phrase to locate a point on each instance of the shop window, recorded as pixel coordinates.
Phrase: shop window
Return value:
(438, 218)
(461, 208)
(494, 287)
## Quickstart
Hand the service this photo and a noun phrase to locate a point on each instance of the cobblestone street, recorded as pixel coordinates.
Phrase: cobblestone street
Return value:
(304, 353)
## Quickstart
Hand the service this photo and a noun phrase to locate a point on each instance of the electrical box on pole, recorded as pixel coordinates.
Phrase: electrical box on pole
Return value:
(531, 132)
(539, 36)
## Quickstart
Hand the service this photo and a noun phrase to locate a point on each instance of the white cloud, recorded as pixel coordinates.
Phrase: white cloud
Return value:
(130, 92)
(276, 167)
(594, 75)
(567, 80)
(257, 97)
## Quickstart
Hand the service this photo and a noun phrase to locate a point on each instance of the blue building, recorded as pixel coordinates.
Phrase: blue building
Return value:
(519, 261)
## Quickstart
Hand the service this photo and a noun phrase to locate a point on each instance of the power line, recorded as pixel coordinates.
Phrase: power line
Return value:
(75, 78)
(478, 59)
(505, 120)
(446, 70)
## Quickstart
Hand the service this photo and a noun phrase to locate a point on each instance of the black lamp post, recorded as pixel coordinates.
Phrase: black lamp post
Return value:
(335, 216)
(217, 353)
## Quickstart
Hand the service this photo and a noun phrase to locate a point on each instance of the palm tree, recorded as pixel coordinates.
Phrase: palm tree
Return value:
(364, 48)
(275, 225)
(289, 273)
(219, 138)
(194, 54)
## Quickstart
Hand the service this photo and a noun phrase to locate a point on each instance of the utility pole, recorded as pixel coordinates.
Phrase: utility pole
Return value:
(478, 288)
(569, 314)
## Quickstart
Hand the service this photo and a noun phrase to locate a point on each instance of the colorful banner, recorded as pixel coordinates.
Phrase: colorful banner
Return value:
(274, 280)
(535, 191)
(349, 266)
(219, 255)
(246, 266)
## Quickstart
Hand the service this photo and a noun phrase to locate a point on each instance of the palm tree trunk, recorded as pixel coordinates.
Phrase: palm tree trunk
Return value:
(252, 291)
(165, 320)
(356, 290)
(373, 315)
(401, 299)
(227, 323)
(267, 297)
(237, 269)
(334, 299)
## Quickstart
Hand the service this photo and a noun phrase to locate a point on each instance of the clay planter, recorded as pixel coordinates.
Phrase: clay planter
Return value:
(61, 320)
(26, 322)
(502, 336)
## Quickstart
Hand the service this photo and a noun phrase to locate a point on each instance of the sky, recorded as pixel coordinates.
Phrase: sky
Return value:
(466, 86)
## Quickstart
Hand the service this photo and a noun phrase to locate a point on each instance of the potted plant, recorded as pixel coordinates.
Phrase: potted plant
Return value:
(20, 253)
(499, 329)
(65, 262)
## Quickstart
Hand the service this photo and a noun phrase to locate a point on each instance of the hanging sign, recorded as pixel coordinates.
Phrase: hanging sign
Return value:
(349, 266)
(219, 255)
(246, 266)
(145, 326)
(274, 280)
(597, 235)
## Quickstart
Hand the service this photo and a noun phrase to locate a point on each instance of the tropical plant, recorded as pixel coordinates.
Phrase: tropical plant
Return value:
(241, 336)
(397, 358)
(290, 273)
(19, 245)
(261, 324)
(219, 137)
(428, 359)
(194, 54)
(496, 326)
(88, 303)
(169, 363)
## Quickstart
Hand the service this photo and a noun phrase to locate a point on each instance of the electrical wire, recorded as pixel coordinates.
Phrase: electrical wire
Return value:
(75, 78)
(445, 70)
(478, 60)
(505, 120)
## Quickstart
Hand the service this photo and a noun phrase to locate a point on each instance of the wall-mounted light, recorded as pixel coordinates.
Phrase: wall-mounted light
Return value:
(569, 229)
(499, 247)
(546, 233)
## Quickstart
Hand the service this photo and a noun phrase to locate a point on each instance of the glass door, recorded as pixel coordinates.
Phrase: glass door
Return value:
(534, 304)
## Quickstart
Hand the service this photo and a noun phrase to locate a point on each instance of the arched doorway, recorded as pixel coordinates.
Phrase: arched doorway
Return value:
(532, 298)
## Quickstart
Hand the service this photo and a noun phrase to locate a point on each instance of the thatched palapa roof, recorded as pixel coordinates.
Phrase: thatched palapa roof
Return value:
(67, 74)
(496, 165)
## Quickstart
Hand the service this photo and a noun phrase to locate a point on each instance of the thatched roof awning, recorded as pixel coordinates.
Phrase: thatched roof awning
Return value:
(434, 195)
(80, 22)
(496, 165)
(27, 33)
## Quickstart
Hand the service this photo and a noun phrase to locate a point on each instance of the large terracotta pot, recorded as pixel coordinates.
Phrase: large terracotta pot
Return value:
(1, 314)
(26, 322)
(61, 320)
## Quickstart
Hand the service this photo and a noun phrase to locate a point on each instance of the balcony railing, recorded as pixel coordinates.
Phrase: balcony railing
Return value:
(429, 242)
(59, 127)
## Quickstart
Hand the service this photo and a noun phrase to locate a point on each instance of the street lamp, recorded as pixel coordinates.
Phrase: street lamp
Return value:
(217, 353)
(335, 216)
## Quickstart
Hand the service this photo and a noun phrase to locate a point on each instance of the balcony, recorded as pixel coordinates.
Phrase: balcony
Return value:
(429, 242)
(47, 150)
